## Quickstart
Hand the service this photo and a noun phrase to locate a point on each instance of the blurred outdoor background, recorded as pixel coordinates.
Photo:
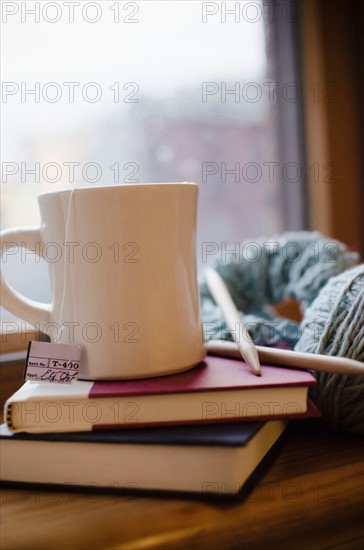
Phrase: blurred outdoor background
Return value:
(149, 101)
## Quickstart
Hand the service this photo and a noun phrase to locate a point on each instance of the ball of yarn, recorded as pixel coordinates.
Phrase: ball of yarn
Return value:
(294, 265)
(315, 271)
(334, 325)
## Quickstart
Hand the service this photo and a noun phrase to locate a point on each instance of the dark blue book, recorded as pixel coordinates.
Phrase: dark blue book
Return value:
(213, 459)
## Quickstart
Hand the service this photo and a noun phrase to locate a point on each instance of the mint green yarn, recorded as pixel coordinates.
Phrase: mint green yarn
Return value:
(338, 315)
(331, 294)
(275, 275)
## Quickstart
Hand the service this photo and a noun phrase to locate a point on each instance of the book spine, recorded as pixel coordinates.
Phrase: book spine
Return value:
(9, 416)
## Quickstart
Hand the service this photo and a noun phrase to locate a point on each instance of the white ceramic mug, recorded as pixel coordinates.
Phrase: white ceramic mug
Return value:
(124, 283)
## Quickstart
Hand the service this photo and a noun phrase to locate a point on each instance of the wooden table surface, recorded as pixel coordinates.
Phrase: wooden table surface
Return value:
(311, 497)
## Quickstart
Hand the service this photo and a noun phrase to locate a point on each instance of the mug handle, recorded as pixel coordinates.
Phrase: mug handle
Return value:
(23, 307)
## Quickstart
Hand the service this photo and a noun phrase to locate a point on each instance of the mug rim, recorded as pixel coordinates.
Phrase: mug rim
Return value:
(118, 186)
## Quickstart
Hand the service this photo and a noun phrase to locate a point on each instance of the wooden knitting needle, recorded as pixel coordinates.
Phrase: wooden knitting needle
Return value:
(233, 320)
(291, 359)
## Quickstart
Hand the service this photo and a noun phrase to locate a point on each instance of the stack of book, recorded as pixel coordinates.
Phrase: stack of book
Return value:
(203, 431)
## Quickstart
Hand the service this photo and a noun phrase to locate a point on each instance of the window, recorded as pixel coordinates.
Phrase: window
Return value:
(124, 92)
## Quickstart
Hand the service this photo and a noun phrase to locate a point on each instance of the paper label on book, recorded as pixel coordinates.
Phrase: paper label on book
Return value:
(50, 362)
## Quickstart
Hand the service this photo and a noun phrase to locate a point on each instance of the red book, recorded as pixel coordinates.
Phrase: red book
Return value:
(219, 389)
